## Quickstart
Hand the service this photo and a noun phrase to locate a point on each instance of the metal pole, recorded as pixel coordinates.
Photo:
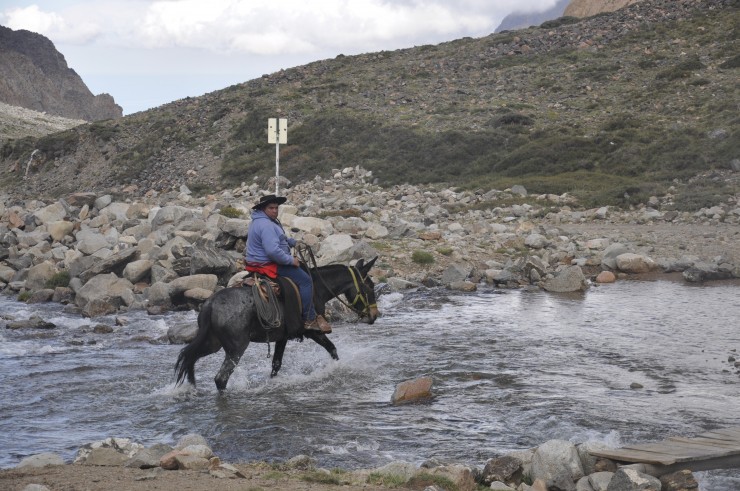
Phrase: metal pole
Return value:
(277, 167)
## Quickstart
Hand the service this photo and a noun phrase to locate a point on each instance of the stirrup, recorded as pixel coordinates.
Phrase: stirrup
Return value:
(312, 326)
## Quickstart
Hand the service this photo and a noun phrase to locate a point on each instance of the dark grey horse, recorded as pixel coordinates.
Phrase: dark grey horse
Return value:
(228, 320)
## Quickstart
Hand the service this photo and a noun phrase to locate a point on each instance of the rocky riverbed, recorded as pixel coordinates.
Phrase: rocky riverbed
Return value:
(191, 464)
(106, 253)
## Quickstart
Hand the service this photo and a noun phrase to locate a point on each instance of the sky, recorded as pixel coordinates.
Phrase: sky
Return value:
(146, 53)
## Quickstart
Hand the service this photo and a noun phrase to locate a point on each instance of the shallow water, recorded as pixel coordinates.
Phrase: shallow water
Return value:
(511, 370)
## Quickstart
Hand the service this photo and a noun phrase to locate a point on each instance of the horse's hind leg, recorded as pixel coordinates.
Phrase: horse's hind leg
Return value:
(227, 368)
(277, 357)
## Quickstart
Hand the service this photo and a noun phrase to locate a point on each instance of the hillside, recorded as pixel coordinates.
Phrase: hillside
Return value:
(610, 108)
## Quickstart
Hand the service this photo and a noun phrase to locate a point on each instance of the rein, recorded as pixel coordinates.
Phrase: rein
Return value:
(301, 249)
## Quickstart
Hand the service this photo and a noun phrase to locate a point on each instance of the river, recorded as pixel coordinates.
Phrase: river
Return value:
(511, 369)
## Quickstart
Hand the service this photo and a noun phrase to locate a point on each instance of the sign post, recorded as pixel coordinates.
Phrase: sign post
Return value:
(277, 133)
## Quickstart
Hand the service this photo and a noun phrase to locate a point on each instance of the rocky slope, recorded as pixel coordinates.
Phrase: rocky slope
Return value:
(19, 122)
(587, 8)
(36, 76)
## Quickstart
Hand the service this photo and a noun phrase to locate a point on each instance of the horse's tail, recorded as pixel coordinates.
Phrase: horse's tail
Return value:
(197, 348)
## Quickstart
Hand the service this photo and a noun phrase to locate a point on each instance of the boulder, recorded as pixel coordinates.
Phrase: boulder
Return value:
(557, 463)
(570, 279)
(39, 275)
(412, 390)
(627, 479)
(635, 263)
(107, 293)
(40, 460)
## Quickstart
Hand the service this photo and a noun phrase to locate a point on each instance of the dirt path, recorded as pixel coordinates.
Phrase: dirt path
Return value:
(257, 477)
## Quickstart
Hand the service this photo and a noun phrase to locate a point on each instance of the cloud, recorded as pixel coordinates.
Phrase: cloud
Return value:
(265, 27)
(297, 26)
(50, 24)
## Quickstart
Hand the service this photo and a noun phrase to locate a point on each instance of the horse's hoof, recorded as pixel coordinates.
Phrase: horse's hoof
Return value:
(334, 355)
(273, 374)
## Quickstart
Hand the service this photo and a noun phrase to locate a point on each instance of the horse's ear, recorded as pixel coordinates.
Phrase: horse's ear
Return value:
(366, 267)
(360, 262)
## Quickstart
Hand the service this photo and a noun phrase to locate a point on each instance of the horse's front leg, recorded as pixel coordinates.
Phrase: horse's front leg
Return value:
(321, 339)
(277, 357)
(231, 360)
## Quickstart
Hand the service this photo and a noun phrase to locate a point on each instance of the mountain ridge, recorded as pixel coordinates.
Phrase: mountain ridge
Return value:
(36, 77)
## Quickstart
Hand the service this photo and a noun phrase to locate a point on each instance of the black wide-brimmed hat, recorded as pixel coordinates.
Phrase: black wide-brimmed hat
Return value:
(270, 198)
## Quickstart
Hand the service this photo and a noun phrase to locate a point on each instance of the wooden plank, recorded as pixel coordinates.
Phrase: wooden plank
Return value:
(716, 444)
(709, 442)
(677, 452)
(634, 456)
(713, 449)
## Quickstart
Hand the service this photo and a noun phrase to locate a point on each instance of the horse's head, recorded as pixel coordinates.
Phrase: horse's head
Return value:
(361, 293)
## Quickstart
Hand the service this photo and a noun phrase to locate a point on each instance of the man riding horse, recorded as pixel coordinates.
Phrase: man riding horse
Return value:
(268, 253)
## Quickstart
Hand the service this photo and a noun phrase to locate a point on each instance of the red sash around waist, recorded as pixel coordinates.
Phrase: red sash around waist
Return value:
(267, 269)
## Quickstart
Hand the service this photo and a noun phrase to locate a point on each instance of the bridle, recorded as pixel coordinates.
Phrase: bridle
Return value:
(361, 297)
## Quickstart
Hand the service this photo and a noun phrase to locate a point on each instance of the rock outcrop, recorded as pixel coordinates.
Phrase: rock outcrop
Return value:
(36, 76)
(520, 20)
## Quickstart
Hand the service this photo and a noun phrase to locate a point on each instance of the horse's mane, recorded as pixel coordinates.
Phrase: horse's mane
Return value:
(330, 268)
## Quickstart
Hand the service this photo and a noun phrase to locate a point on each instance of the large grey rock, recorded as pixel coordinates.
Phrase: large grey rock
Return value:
(40, 460)
(90, 241)
(635, 263)
(148, 458)
(612, 251)
(172, 215)
(209, 260)
(236, 227)
(60, 229)
(112, 264)
(108, 289)
(39, 275)
(626, 479)
(557, 463)
(570, 279)
(455, 272)
(136, 271)
(52, 213)
(335, 249)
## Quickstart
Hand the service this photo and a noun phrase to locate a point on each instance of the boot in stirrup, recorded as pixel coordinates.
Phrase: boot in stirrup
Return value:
(323, 324)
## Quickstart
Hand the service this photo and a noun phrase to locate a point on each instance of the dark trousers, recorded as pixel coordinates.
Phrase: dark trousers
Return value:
(305, 288)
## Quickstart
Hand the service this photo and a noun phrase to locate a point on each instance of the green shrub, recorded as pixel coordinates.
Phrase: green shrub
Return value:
(387, 480)
(24, 296)
(321, 478)
(422, 257)
(58, 279)
(445, 251)
(230, 212)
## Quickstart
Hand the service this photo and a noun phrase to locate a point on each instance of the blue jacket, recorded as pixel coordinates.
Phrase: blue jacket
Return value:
(267, 242)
